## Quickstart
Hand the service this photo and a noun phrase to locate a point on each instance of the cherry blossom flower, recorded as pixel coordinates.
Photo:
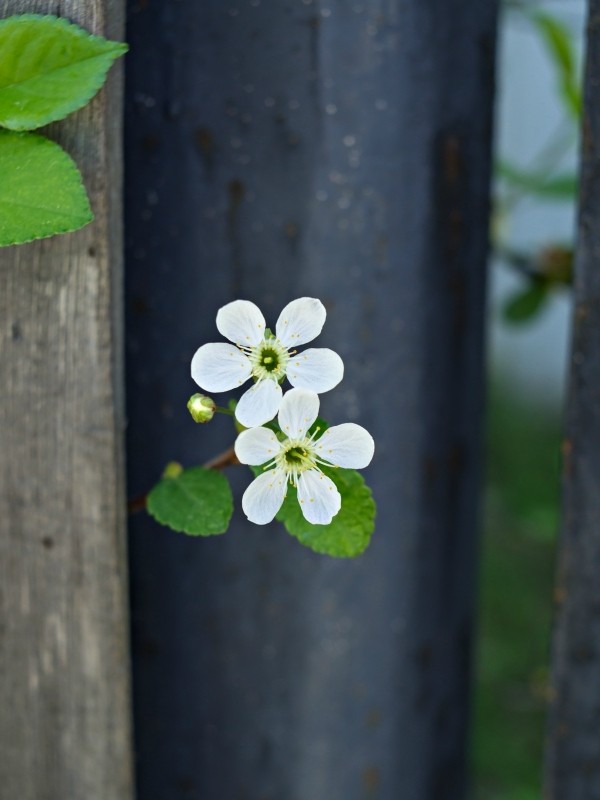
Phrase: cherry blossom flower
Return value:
(267, 359)
(296, 460)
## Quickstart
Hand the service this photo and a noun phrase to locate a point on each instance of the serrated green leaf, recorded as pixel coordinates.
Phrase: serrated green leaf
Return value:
(552, 187)
(525, 303)
(41, 192)
(49, 68)
(350, 531)
(197, 501)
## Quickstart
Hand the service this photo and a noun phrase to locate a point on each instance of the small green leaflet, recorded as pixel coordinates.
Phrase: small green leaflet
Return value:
(558, 41)
(49, 68)
(350, 531)
(526, 303)
(542, 184)
(195, 501)
(40, 189)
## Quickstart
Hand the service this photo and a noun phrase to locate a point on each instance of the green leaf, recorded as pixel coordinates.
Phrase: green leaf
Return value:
(40, 189)
(49, 68)
(525, 303)
(558, 41)
(557, 187)
(196, 501)
(350, 531)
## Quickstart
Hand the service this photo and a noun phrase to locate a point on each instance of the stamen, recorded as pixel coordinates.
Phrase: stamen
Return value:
(314, 433)
(269, 359)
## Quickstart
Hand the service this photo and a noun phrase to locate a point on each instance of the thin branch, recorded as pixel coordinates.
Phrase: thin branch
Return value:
(225, 459)
(137, 504)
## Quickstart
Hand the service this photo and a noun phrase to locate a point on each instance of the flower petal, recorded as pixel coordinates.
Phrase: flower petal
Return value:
(241, 322)
(318, 369)
(263, 498)
(300, 321)
(348, 445)
(259, 404)
(220, 367)
(299, 409)
(318, 496)
(256, 446)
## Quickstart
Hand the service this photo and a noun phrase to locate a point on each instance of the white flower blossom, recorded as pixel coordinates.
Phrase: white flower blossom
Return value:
(221, 367)
(296, 460)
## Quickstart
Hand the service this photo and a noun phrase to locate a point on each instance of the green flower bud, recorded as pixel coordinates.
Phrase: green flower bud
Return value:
(172, 470)
(201, 407)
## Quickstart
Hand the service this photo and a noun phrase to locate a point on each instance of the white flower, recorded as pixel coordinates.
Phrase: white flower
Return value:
(296, 460)
(221, 367)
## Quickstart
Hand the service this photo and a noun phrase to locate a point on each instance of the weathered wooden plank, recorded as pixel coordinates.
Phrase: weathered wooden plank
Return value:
(341, 150)
(64, 664)
(573, 747)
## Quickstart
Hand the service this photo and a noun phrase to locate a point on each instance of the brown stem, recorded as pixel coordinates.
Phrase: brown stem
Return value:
(225, 459)
(137, 504)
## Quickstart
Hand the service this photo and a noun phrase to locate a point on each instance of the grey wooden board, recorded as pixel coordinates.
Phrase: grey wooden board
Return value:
(64, 661)
(573, 750)
(339, 150)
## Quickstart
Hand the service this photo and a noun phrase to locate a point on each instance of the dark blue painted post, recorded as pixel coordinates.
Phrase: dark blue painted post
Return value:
(340, 150)
(573, 750)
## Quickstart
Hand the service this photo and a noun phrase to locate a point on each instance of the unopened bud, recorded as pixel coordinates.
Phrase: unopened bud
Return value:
(172, 470)
(201, 407)
(556, 263)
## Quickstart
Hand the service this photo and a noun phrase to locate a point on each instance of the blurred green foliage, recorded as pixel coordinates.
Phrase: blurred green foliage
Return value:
(522, 487)
(559, 44)
(521, 517)
(539, 183)
(522, 305)
(543, 179)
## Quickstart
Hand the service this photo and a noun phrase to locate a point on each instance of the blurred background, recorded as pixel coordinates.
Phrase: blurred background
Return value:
(222, 154)
(537, 113)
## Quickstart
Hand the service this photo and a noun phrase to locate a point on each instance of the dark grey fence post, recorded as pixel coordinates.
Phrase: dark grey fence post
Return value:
(340, 150)
(64, 654)
(573, 749)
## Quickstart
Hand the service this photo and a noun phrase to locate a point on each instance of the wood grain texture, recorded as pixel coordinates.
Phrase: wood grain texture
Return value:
(64, 663)
(573, 748)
